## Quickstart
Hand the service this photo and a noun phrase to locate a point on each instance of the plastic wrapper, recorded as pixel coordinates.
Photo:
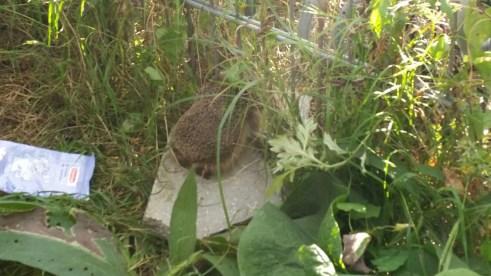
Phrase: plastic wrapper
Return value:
(39, 171)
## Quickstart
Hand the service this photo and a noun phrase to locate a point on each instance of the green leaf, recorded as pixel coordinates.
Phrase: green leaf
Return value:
(420, 261)
(447, 253)
(439, 47)
(330, 234)
(304, 132)
(350, 206)
(313, 193)
(315, 261)
(269, 245)
(234, 74)
(227, 266)
(478, 122)
(390, 260)
(14, 206)
(373, 211)
(276, 184)
(458, 272)
(172, 41)
(154, 74)
(60, 217)
(331, 144)
(379, 17)
(133, 123)
(477, 29)
(359, 210)
(182, 237)
(446, 8)
(485, 249)
(58, 257)
(87, 249)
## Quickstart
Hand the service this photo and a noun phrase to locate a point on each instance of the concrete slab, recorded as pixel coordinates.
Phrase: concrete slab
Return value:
(244, 189)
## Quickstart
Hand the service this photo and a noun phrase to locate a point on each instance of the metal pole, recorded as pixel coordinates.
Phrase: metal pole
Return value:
(279, 34)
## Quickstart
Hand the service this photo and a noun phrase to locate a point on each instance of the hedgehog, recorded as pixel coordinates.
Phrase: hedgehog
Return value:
(193, 140)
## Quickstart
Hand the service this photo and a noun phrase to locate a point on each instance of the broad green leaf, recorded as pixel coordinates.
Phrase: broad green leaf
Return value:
(87, 249)
(477, 29)
(315, 261)
(458, 272)
(420, 261)
(182, 237)
(227, 266)
(153, 73)
(313, 193)
(331, 144)
(485, 249)
(330, 234)
(310, 224)
(372, 211)
(391, 260)
(15, 206)
(350, 206)
(269, 245)
(59, 257)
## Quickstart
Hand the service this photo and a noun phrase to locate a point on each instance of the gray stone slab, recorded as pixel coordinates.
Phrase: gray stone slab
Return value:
(244, 189)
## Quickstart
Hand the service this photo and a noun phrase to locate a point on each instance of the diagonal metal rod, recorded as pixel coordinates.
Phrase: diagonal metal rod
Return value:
(280, 35)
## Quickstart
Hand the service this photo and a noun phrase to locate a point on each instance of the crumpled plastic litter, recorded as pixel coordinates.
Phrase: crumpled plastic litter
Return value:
(44, 172)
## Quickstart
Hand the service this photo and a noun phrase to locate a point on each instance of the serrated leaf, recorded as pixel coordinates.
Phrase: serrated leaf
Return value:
(269, 244)
(331, 144)
(182, 236)
(315, 261)
(304, 132)
(60, 217)
(290, 154)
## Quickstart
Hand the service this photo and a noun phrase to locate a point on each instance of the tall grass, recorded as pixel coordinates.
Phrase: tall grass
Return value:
(112, 77)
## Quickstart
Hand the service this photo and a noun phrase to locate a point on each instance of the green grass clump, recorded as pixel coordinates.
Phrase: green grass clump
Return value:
(395, 146)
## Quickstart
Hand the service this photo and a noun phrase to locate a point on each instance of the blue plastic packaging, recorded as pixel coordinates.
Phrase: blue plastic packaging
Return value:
(39, 171)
